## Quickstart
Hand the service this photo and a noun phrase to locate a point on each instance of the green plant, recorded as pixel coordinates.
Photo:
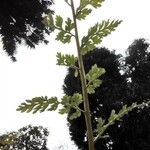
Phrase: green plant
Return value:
(28, 137)
(66, 31)
(7, 139)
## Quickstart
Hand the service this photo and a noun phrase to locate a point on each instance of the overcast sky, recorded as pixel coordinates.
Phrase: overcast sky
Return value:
(35, 72)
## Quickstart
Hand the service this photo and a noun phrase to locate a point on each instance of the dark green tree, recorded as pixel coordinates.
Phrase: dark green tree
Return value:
(28, 138)
(126, 81)
(7, 139)
(134, 132)
(138, 68)
(21, 22)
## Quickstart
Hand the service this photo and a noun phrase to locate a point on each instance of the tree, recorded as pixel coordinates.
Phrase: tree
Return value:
(29, 138)
(133, 132)
(21, 22)
(7, 139)
(138, 66)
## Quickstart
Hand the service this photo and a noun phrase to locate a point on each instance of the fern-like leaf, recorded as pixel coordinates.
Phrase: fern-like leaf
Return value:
(39, 104)
(96, 34)
(102, 126)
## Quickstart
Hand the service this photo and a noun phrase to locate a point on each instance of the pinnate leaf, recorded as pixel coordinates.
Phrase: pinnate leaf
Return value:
(39, 104)
(66, 60)
(63, 37)
(92, 78)
(96, 34)
(83, 10)
(102, 125)
(69, 102)
(83, 13)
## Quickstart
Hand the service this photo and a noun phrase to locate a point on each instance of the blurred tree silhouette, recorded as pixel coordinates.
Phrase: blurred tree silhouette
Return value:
(21, 21)
(29, 138)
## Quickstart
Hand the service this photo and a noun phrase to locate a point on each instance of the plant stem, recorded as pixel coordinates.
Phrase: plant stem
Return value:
(83, 84)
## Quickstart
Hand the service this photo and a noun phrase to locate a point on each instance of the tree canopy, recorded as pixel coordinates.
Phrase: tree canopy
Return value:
(29, 138)
(126, 81)
(21, 21)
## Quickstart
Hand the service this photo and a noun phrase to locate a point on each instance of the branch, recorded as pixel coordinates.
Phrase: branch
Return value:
(61, 29)
(68, 3)
(76, 107)
(114, 117)
(83, 83)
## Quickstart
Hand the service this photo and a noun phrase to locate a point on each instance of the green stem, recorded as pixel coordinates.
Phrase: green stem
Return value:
(83, 83)
(61, 29)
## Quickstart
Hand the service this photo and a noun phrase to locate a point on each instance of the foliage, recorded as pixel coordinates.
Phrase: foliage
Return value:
(29, 137)
(21, 22)
(92, 78)
(100, 30)
(96, 34)
(43, 103)
(104, 99)
(7, 139)
(39, 104)
(83, 11)
(78, 103)
(138, 66)
(102, 126)
(133, 130)
(66, 60)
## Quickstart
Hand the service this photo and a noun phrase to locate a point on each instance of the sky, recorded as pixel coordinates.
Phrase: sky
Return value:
(35, 73)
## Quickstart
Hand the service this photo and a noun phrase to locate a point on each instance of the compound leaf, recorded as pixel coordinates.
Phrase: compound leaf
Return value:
(39, 104)
(96, 34)
(66, 60)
